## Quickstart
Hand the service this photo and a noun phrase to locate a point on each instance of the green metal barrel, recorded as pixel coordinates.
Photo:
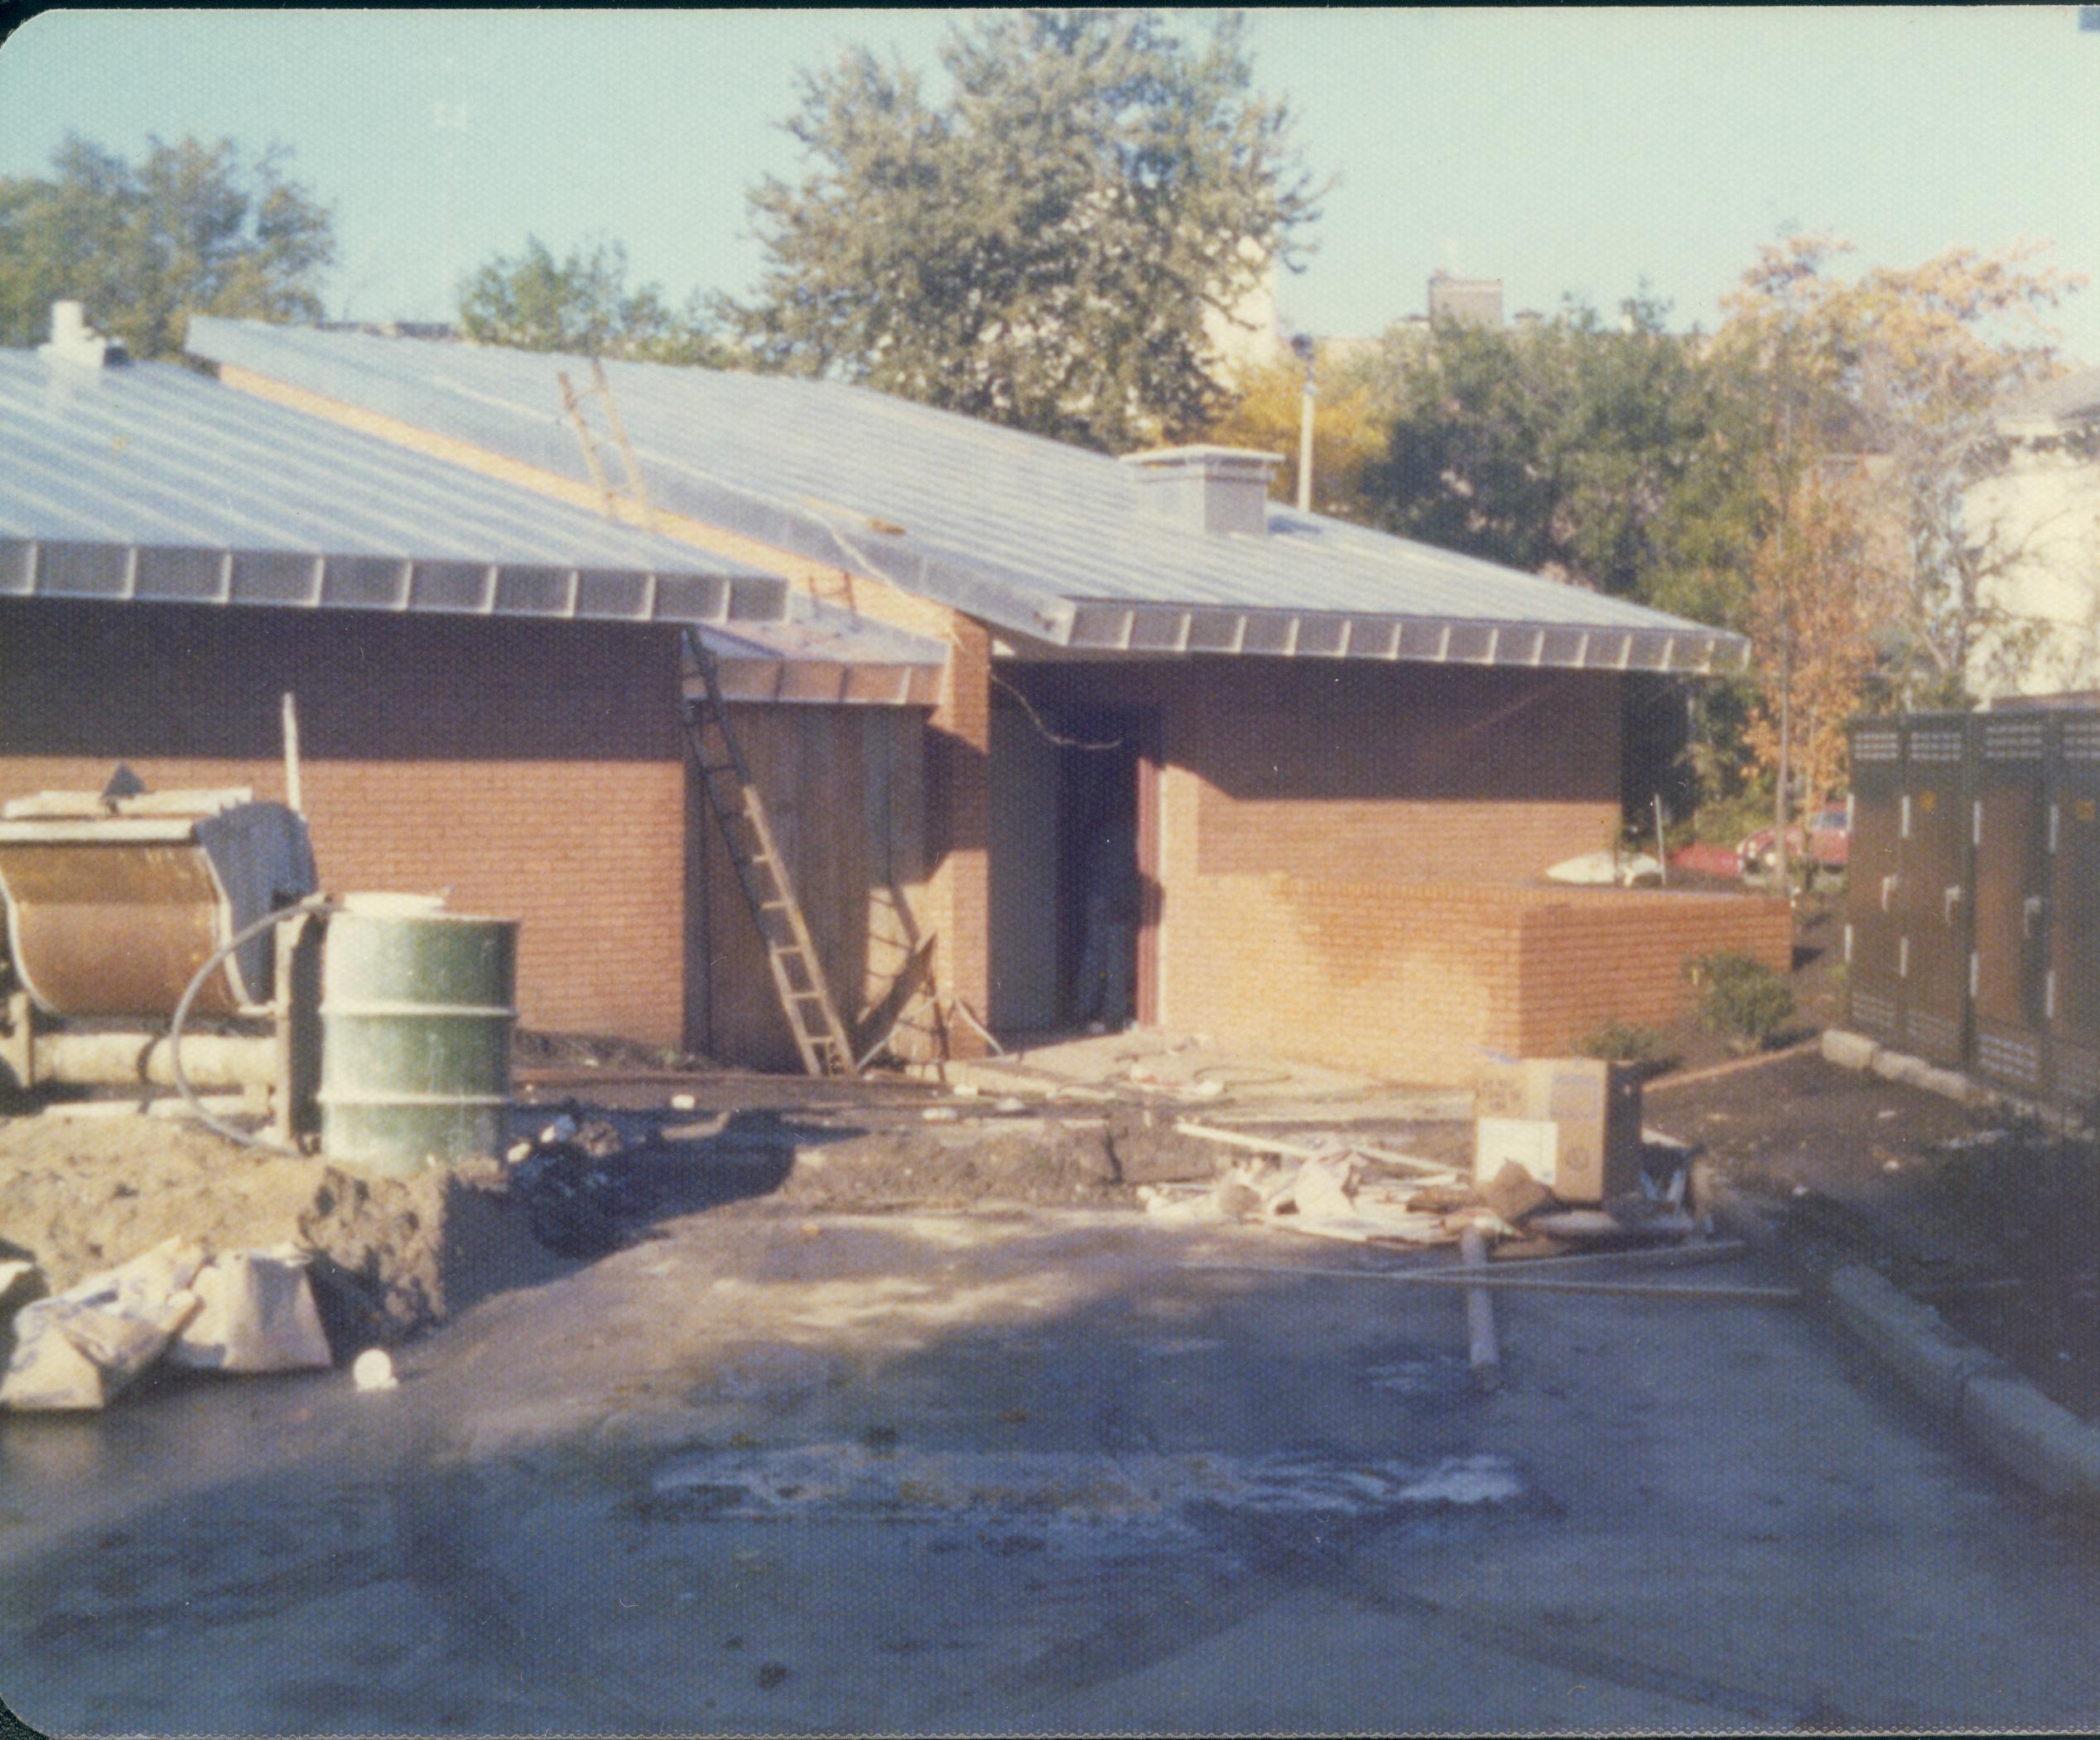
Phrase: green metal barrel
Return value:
(416, 1016)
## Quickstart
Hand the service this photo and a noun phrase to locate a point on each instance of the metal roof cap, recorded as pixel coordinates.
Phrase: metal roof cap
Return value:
(1207, 488)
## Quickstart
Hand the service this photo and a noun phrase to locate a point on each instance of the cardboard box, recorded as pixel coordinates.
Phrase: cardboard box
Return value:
(1593, 1110)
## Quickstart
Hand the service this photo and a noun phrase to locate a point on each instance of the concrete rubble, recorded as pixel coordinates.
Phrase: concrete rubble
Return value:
(1325, 1188)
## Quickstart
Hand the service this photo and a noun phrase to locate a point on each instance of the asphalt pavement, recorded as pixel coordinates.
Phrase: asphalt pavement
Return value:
(1038, 1471)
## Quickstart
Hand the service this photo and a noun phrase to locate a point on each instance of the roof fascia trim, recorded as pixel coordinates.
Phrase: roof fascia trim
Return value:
(813, 683)
(1169, 631)
(121, 572)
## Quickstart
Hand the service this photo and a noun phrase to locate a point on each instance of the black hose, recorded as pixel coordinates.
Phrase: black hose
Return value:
(246, 1138)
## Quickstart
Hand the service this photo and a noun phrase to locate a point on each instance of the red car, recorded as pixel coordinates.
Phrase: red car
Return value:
(1827, 843)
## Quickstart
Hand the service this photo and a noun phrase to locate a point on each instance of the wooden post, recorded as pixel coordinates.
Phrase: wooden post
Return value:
(295, 796)
(298, 1034)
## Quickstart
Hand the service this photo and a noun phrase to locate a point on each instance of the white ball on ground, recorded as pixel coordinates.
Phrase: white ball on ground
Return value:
(374, 1370)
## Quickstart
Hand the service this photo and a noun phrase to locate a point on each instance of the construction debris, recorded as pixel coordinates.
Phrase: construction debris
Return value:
(1573, 1123)
(20, 1282)
(242, 1311)
(1317, 1148)
(1332, 1186)
(78, 1348)
(256, 1314)
(1514, 1193)
(1326, 1197)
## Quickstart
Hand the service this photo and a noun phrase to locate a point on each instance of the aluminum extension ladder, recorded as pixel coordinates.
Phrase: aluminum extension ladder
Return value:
(740, 814)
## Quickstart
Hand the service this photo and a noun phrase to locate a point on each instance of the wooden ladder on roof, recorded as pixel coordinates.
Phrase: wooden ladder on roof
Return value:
(740, 811)
(610, 494)
(746, 833)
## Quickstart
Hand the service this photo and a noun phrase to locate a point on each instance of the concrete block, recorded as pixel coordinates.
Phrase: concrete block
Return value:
(2045, 1444)
(1896, 1066)
(1849, 1050)
(1950, 1084)
(1912, 1338)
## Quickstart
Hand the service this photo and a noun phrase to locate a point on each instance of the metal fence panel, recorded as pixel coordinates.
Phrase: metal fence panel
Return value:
(1973, 900)
(1874, 980)
(1931, 902)
(2010, 831)
(2072, 987)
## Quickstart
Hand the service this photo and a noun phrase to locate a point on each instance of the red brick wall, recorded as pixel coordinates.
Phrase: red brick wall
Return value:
(1399, 773)
(534, 770)
(1364, 771)
(1421, 981)
(1349, 858)
(1589, 956)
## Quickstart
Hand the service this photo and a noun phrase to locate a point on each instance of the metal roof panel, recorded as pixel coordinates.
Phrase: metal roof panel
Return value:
(147, 481)
(1027, 533)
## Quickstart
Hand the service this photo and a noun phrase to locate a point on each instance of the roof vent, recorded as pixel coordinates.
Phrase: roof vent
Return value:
(1205, 489)
(74, 341)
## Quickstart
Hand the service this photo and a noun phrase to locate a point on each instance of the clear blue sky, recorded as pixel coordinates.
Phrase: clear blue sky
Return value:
(1562, 151)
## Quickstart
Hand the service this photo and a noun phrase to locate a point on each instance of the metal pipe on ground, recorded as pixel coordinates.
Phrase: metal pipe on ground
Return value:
(1478, 1277)
(1484, 1350)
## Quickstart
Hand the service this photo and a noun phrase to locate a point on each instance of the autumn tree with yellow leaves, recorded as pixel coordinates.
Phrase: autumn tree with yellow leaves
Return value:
(1820, 589)
(1899, 368)
(1876, 396)
(1351, 417)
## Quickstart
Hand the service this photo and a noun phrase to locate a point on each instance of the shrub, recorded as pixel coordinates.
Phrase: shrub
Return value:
(1741, 999)
(1620, 1042)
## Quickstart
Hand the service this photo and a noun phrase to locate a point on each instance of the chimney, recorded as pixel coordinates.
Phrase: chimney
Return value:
(1205, 489)
(74, 341)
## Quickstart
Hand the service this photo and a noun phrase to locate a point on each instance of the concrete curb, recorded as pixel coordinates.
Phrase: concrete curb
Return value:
(2035, 1439)
(1857, 1052)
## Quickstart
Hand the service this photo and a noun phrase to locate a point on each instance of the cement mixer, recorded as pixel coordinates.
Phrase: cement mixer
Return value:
(390, 1017)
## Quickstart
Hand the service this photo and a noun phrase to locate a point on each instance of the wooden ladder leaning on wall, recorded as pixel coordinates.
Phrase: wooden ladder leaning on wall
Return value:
(739, 812)
(747, 832)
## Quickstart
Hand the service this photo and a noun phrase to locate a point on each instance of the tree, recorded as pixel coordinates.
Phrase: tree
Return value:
(1903, 366)
(582, 304)
(1039, 248)
(192, 229)
(1350, 420)
(1821, 588)
(1556, 449)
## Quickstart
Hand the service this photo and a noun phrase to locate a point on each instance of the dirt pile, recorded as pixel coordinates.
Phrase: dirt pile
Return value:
(1038, 1163)
(393, 1255)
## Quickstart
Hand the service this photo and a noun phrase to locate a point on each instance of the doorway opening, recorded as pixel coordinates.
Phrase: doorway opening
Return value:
(1073, 869)
(1100, 889)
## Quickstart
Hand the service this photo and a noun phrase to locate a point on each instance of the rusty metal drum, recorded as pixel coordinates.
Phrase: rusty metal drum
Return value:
(417, 1009)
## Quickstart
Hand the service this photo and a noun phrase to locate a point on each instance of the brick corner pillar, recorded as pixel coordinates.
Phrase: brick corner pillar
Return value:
(958, 805)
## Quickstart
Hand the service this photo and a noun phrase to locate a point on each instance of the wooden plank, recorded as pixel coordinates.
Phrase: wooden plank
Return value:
(1432, 1170)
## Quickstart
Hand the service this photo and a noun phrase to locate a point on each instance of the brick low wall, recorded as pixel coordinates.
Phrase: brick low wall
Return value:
(1605, 954)
(1421, 981)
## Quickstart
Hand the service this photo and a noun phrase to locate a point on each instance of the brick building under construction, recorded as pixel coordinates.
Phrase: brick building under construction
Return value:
(956, 659)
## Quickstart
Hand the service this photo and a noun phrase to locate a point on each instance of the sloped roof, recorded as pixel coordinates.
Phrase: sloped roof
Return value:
(1034, 537)
(2057, 409)
(148, 482)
